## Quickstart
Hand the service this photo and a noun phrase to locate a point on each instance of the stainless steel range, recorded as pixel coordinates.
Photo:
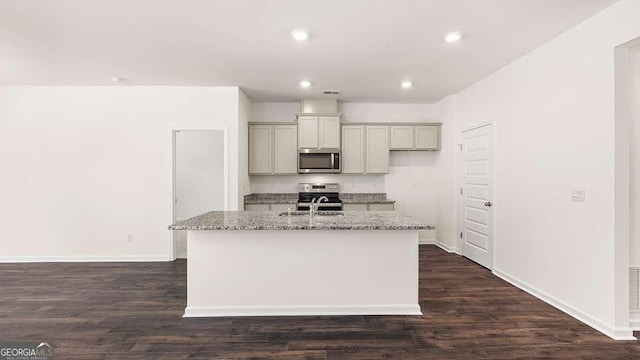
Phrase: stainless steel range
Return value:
(308, 192)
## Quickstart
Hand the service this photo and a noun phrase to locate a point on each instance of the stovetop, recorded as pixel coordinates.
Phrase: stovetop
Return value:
(308, 191)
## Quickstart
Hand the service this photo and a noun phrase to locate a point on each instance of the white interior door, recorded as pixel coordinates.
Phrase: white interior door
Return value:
(199, 177)
(476, 194)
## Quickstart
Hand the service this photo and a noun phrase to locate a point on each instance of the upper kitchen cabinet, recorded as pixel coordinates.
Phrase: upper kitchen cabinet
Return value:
(319, 131)
(308, 132)
(401, 137)
(377, 154)
(260, 149)
(365, 149)
(285, 149)
(329, 131)
(427, 137)
(418, 137)
(353, 139)
(273, 149)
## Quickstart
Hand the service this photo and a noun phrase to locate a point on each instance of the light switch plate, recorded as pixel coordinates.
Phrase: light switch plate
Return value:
(578, 194)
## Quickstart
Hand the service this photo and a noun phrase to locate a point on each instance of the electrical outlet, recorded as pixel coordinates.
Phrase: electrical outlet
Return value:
(578, 194)
(129, 238)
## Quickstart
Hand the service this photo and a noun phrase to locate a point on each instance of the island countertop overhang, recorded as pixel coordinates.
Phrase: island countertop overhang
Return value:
(266, 220)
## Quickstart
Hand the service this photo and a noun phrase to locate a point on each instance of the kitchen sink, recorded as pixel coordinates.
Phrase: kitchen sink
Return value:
(319, 213)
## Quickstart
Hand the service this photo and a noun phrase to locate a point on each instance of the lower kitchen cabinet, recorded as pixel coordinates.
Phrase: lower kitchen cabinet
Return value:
(269, 207)
(381, 207)
(368, 207)
(256, 207)
(355, 207)
(282, 207)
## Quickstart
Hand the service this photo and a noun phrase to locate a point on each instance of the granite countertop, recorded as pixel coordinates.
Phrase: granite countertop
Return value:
(365, 198)
(269, 220)
(271, 198)
(292, 198)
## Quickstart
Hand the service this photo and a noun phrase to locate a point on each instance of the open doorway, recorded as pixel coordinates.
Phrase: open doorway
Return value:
(627, 184)
(200, 177)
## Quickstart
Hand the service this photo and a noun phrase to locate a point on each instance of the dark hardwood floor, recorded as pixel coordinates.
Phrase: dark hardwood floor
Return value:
(133, 311)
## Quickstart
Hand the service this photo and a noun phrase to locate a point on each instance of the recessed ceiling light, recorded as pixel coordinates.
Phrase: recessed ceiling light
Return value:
(300, 34)
(305, 83)
(117, 79)
(453, 37)
(406, 84)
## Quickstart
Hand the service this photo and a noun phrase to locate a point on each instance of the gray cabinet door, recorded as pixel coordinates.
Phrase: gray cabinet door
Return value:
(381, 207)
(285, 153)
(329, 132)
(260, 150)
(353, 149)
(256, 207)
(377, 155)
(308, 132)
(427, 137)
(281, 207)
(355, 207)
(401, 137)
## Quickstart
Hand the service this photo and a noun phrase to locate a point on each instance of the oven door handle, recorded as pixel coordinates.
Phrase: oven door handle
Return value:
(322, 204)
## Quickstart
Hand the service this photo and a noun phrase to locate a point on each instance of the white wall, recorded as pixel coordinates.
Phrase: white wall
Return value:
(84, 166)
(447, 193)
(635, 157)
(244, 114)
(413, 177)
(553, 116)
(274, 112)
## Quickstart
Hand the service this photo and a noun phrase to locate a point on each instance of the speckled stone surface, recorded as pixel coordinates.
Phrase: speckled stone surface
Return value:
(365, 198)
(267, 220)
(271, 198)
(292, 198)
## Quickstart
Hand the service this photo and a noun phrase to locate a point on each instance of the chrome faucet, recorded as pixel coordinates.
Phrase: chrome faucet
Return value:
(313, 208)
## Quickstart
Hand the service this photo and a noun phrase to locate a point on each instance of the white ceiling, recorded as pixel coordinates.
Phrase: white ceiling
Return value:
(364, 48)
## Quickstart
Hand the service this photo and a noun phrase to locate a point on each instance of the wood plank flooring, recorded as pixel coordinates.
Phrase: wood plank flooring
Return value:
(133, 311)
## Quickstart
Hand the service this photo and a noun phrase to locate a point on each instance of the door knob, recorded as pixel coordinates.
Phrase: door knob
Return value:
(488, 203)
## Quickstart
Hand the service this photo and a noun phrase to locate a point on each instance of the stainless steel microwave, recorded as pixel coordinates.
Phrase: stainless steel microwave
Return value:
(318, 161)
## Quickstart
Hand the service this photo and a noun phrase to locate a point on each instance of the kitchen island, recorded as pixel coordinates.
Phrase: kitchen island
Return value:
(253, 263)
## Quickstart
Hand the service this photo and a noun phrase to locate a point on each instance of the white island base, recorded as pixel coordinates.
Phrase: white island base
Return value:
(312, 272)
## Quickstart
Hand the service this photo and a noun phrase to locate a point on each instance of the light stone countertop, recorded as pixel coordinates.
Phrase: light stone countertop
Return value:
(269, 220)
(365, 198)
(271, 198)
(292, 198)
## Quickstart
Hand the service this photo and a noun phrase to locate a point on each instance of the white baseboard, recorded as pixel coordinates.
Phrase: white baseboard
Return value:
(616, 333)
(634, 321)
(126, 258)
(311, 310)
(441, 245)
